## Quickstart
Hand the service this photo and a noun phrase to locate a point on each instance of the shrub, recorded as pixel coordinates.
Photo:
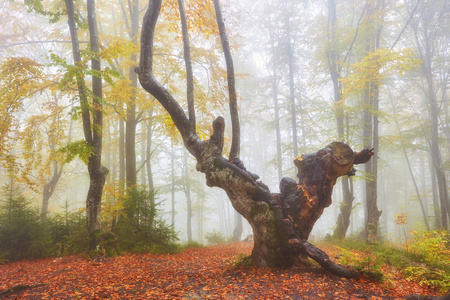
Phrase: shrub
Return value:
(433, 256)
(192, 245)
(22, 235)
(215, 237)
(140, 229)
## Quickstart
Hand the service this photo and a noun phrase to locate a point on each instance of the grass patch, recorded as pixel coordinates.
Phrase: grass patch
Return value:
(242, 261)
(425, 259)
(192, 245)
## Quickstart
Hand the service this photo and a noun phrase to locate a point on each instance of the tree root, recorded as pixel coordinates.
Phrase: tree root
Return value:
(324, 260)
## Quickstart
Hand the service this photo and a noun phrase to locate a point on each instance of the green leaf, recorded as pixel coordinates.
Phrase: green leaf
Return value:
(79, 148)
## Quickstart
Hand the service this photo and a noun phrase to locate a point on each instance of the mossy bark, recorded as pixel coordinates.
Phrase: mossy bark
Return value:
(282, 222)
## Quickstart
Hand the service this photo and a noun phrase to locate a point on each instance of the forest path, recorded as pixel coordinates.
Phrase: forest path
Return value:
(200, 273)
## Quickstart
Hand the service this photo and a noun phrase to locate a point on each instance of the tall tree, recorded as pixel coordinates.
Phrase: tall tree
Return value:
(374, 23)
(426, 31)
(92, 132)
(131, 122)
(290, 55)
(187, 192)
(280, 235)
(275, 102)
(335, 67)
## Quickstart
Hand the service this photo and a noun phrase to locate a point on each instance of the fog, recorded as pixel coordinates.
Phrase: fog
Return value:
(284, 54)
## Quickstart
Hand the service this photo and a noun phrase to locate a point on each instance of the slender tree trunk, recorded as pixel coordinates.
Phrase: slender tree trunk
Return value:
(424, 47)
(435, 151)
(130, 147)
(435, 195)
(49, 188)
(121, 155)
(188, 64)
(236, 133)
(97, 172)
(187, 191)
(371, 136)
(370, 119)
(148, 155)
(200, 221)
(276, 105)
(172, 190)
(422, 206)
(142, 154)
(93, 135)
(343, 220)
(292, 88)
(113, 165)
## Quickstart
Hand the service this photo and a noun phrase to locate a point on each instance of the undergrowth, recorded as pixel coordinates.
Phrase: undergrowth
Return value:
(424, 259)
(242, 261)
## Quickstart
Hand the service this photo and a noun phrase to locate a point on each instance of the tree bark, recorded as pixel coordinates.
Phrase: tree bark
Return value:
(172, 188)
(49, 188)
(236, 133)
(122, 173)
(131, 122)
(281, 222)
(424, 47)
(187, 192)
(148, 154)
(291, 87)
(97, 172)
(370, 119)
(93, 135)
(188, 64)
(237, 232)
(276, 110)
(343, 220)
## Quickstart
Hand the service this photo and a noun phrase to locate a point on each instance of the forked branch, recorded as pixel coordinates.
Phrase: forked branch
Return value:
(155, 88)
(235, 129)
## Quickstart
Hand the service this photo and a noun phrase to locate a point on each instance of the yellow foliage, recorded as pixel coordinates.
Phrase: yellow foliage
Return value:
(401, 219)
(375, 67)
(20, 78)
(112, 206)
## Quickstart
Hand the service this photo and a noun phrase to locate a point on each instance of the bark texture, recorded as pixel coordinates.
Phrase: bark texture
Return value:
(92, 132)
(281, 222)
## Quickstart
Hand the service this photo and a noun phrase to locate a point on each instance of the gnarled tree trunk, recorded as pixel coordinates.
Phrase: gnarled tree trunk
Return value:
(281, 222)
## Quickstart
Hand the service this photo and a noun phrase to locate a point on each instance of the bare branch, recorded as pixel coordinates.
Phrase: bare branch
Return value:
(356, 34)
(235, 140)
(40, 42)
(155, 88)
(406, 25)
(188, 63)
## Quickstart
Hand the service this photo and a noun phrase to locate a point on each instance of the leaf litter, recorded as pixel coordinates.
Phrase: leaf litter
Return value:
(200, 273)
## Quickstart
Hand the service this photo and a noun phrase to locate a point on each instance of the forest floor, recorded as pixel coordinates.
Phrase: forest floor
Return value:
(199, 273)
